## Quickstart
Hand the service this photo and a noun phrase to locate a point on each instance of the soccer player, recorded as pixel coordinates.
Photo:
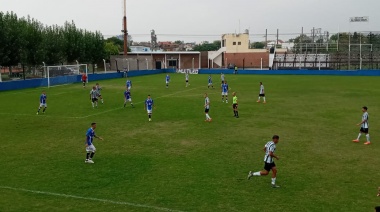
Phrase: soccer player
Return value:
(224, 89)
(187, 79)
(43, 103)
(167, 80)
(210, 82)
(222, 77)
(127, 97)
(364, 127)
(84, 80)
(207, 108)
(98, 91)
(94, 97)
(90, 148)
(235, 104)
(269, 150)
(149, 107)
(262, 93)
(129, 84)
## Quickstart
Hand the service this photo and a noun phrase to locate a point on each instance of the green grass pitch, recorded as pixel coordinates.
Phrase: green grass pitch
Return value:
(178, 161)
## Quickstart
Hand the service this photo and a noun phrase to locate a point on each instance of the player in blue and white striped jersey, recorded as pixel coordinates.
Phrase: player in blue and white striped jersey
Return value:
(364, 127)
(90, 148)
(43, 103)
(207, 108)
(269, 149)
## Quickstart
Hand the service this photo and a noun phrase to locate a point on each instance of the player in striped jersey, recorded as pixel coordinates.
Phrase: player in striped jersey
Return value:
(128, 84)
(167, 78)
(364, 127)
(98, 90)
(207, 108)
(269, 150)
(187, 79)
(94, 97)
(262, 93)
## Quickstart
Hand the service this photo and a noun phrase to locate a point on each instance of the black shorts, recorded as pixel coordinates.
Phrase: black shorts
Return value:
(187, 80)
(206, 110)
(262, 95)
(269, 166)
(94, 99)
(364, 130)
(235, 106)
(84, 81)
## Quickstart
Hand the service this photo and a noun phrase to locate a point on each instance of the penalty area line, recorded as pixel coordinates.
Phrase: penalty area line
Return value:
(89, 198)
(119, 108)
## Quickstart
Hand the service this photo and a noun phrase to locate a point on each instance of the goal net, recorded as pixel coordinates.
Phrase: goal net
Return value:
(64, 74)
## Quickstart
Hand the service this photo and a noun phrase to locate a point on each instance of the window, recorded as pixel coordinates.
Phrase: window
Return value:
(234, 43)
(239, 43)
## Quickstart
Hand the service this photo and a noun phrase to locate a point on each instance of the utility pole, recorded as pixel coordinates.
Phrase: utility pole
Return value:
(125, 31)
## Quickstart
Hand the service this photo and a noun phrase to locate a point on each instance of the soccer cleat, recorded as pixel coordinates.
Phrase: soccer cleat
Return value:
(210, 120)
(37, 113)
(355, 141)
(150, 119)
(258, 101)
(88, 161)
(367, 143)
(237, 116)
(249, 175)
(264, 102)
(275, 186)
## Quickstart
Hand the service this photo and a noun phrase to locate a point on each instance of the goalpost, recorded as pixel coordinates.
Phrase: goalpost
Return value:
(65, 70)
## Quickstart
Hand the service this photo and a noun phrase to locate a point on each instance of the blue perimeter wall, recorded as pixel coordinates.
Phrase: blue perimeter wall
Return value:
(294, 72)
(43, 82)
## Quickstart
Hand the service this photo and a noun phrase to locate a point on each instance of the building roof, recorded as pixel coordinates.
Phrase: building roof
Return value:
(181, 52)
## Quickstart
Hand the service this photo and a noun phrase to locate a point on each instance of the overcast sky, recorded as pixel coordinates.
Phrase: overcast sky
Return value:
(197, 20)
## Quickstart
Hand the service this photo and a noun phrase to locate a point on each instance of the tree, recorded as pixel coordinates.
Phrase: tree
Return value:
(110, 49)
(257, 45)
(206, 46)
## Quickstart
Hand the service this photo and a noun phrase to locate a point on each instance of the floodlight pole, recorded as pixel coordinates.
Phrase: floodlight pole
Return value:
(44, 69)
(261, 64)
(193, 64)
(77, 66)
(147, 65)
(125, 31)
(105, 67)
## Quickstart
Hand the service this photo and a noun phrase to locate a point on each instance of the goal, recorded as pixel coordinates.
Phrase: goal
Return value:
(64, 72)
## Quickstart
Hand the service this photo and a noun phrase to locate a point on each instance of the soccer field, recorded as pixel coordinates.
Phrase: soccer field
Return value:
(178, 162)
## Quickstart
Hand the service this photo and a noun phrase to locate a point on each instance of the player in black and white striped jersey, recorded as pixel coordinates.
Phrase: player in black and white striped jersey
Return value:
(269, 149)
(364, 126)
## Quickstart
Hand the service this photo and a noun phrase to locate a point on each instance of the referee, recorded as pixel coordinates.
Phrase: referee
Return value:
(235, 104)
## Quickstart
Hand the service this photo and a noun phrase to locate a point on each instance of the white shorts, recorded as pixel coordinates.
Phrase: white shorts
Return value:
(90, 148)
(210, 84)
(224, 93)
(149, 111)
(129, 88)
(128, 100)
(43, 105)
(167, 82)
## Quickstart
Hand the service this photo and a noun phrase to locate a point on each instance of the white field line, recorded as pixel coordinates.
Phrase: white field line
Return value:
(41, 115)
(119, 108)
(89, 198)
